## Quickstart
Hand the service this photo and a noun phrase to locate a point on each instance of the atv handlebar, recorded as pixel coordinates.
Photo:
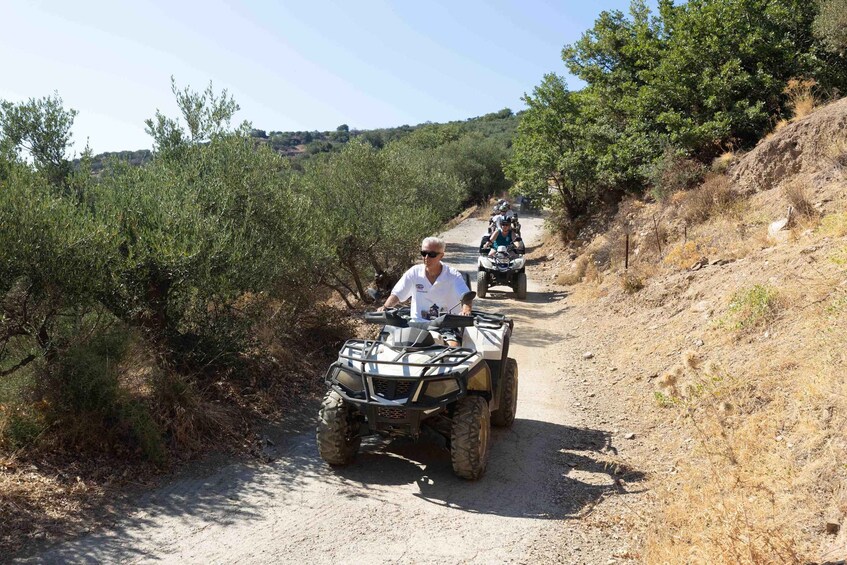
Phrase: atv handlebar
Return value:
(399, 317)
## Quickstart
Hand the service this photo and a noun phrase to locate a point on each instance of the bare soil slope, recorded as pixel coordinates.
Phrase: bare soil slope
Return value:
(730, 346)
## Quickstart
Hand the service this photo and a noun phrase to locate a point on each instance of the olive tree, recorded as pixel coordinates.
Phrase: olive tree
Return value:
(369, 208)
(39, 129)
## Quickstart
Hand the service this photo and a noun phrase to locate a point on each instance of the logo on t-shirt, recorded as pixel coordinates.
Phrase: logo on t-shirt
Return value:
(431, 314)
(419, 286)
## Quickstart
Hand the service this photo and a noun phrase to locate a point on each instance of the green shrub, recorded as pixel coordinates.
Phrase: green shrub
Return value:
(674, 172)
(755, 307)
(830, 25)
(89, 406)
(20, 426)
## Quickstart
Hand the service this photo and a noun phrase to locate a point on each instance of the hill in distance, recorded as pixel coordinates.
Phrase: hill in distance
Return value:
(303, 144)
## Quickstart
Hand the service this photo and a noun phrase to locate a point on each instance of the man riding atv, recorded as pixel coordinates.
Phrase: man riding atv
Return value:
(405, 380)
(433, 287)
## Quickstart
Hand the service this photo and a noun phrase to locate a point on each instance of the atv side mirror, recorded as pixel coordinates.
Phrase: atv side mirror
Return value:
(468, 296)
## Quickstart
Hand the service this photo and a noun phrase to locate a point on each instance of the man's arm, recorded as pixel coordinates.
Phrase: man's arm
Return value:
(398, 290)
(390, 302)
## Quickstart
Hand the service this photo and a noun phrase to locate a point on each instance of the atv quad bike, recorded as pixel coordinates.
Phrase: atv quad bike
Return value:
(507, 267)
(404, 380)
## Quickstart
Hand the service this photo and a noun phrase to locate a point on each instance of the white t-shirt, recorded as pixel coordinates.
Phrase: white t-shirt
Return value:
(429, 299)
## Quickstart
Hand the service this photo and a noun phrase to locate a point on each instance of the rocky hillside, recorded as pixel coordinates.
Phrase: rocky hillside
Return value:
(726, 334)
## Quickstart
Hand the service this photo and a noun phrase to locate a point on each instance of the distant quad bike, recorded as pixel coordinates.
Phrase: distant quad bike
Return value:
(507, 267)
(404, 380)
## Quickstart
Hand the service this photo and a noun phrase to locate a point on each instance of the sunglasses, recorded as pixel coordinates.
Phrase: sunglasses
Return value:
(430, 254)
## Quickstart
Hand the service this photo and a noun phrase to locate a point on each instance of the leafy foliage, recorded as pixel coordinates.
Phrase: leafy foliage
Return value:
(369, 208)
(830, 25)
(549, 149)
(691, 82)
(185, 251)
(41, 129)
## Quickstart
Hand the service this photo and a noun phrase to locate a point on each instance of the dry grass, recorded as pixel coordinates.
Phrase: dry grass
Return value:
(756, 307)
(685, 254)
(795, 193)
(588, 292)
(766, 469)
(723, 162)
(592, 273)
(801, 97)
(753, 483)
(28, 503)
(631, 282)
(583, 269)
(714, 197)
(576, 272)
(192, 421)
(837, 154)
(834, 225)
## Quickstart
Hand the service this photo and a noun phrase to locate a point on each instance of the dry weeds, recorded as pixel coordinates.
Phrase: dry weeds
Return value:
(723, 162)
(801, 97)
(576, 272)
(837, 155)
(631, 282)
(684, 255)
(834, 225)
(764, 474)
(795, 194)
(714, 197)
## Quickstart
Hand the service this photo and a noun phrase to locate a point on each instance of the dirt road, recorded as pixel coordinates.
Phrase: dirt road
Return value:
(400, 502)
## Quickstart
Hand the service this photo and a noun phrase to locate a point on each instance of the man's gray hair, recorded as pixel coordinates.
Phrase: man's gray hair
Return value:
(436, 242)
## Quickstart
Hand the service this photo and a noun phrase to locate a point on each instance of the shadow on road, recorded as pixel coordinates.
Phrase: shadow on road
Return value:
(536, 470)
(207, 492)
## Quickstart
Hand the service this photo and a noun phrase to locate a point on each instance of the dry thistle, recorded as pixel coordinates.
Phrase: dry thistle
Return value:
(671, 377)
(691, 359)
(711, 368)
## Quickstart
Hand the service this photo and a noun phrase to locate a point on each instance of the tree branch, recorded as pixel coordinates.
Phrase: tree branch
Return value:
(23, 362)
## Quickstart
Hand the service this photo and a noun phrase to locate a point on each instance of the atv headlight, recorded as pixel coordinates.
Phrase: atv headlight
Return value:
(438, 389)
(518, 262)
(350, 381)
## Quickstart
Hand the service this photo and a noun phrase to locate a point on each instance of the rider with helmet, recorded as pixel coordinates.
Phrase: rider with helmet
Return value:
(506, 213)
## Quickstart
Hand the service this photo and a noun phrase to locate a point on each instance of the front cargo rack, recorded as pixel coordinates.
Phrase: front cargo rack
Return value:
(447, 357)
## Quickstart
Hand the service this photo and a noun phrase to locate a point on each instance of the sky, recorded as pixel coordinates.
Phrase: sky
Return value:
(291, 66)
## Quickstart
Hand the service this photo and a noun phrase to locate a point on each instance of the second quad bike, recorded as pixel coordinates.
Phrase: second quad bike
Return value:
(405, 380)
(506, 267)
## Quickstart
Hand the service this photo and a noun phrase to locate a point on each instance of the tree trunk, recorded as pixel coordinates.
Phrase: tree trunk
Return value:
(340, 293)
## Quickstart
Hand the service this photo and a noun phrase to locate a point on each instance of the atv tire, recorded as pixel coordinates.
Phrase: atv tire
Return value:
(337, 437)
(469, 437)
(481, 283)
(520, 286)
(504, 416)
